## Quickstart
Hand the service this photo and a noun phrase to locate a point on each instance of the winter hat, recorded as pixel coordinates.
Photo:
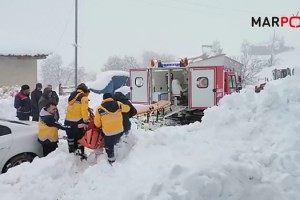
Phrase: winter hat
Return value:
(25, 87)
(82, 87)
(38, 85)
(107, 95)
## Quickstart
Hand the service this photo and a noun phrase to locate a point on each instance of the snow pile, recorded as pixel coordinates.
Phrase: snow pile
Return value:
(284, 60)
(247, 148)
(103, 78)
(7, 95)
(9, 91)
(125, 90)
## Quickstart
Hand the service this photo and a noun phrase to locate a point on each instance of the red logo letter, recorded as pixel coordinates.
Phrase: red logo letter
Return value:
(291, 20)
(283, 21)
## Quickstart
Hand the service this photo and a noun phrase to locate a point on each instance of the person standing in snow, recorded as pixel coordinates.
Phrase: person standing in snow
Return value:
(45, 99)
(54, 96)
(23, 104)
(119, 96)
(108, 117)
(35, 97)
(77, 113)
(48, 128)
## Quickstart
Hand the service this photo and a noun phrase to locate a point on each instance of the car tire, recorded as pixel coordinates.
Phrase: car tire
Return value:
(17, 160)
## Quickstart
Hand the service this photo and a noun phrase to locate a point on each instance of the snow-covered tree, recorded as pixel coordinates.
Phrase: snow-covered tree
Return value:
(147, 56)
(216, 48)
(53, 72)
(119, 63)
(251, 65)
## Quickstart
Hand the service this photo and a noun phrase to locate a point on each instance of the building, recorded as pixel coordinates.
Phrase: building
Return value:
(218, 60)
(19, 69)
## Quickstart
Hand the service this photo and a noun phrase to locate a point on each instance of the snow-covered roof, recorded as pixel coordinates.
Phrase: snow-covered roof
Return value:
(19, 47)
(218, 60)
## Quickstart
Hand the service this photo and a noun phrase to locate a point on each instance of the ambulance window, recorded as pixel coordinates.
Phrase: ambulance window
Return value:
(202, 82)
(139, 81)
(232, 81)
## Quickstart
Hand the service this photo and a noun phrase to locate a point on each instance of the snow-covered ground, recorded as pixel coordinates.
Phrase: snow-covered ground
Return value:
(246, 148)
(289, 59)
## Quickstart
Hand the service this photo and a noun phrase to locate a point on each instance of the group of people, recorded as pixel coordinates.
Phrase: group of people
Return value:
(30, 105)
(112, 118)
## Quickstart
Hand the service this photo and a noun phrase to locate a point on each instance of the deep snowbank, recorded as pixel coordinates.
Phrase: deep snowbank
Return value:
(247, 148)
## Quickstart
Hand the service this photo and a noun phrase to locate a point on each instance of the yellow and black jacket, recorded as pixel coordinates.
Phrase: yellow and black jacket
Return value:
(77, 110)
(48, 128)
(109, 116)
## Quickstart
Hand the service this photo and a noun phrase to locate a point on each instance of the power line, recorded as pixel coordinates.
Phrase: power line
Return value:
(65, 27)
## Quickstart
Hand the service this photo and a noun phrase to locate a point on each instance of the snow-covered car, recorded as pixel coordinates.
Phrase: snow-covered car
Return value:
(18, 143)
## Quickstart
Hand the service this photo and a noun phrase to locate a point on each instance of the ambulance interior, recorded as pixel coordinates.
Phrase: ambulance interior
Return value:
(178, 82)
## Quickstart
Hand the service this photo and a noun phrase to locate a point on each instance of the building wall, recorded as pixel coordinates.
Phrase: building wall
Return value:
(18, 71)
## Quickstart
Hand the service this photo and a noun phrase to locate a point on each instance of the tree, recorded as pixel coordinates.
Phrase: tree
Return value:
(52, 70)
(118, 63)
(147, 56)
(113, 63)
(54, 73)
(251, 65)
(216, 48)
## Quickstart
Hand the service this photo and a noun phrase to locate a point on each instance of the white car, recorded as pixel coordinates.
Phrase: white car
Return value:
(18, 143)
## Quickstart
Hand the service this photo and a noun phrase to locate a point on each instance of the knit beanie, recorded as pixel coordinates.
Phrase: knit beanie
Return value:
(107, 95)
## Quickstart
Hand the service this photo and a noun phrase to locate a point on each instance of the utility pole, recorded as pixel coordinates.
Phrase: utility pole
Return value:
(272, 50)
(76, 41)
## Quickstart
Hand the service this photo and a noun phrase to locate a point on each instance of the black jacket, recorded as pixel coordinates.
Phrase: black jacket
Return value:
(44, 100)
(35, 97)
(126, 116)
(54, 97)
(23, 105)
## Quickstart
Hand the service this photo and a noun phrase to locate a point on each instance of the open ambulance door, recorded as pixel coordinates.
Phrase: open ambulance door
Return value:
(202, 87)
(139, 86)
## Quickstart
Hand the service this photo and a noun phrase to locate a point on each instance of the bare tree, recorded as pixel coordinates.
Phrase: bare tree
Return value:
(216, 48)
(53, 72)
(118, 63)
(147, 56)
(251, 65)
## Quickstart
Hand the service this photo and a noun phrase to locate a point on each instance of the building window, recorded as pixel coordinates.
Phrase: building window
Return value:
(139, 82)
(202, 82)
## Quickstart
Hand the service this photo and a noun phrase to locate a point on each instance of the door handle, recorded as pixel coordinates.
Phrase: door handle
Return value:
(214, 90)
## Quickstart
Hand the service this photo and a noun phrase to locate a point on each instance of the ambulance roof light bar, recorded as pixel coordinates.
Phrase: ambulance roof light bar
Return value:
(182, 62)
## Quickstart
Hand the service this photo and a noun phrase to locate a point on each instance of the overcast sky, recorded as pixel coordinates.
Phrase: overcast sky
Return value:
(130, 27)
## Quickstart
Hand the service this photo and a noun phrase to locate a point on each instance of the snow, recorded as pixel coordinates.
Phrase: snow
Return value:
(285, 60)
(246, 148)
(124, 89)
(103, 78)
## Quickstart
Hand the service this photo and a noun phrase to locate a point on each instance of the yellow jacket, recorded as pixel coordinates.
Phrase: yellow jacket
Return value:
(48, 128)
(109, 117)
(78, 107)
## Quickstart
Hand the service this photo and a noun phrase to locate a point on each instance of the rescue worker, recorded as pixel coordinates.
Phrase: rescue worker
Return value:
(35, 97)
(48, 128)
(77, 113)
(109, 118)
(119, 96)
(23, 104)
